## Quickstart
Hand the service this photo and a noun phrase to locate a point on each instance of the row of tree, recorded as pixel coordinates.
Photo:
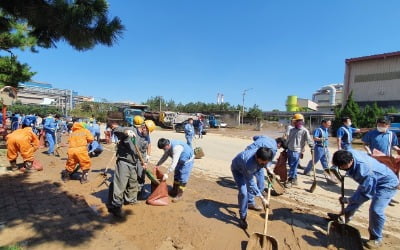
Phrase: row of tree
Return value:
(361, 117)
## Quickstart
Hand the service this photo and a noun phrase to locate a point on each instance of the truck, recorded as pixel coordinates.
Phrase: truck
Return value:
(125, 114)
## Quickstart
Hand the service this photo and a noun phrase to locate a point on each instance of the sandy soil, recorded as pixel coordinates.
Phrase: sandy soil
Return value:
(207, 218)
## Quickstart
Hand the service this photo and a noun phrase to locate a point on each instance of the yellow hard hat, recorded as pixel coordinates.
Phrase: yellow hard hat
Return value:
(138, 120)
(298, 117)
(150, 125)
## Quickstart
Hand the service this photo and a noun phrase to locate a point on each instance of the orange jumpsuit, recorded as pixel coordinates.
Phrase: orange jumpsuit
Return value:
(77, 151)
(22, 141)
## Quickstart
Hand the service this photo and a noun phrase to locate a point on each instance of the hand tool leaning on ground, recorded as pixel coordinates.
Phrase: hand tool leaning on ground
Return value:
(330, 176)
(263, 241)
(104, 173)
(340, 235)
(314, 184)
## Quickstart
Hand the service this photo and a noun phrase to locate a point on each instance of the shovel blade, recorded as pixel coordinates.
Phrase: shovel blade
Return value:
(261, 241)
(343, 236)
(313, 186)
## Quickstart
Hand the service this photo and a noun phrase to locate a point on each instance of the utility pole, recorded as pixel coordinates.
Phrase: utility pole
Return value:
(243, 94)
(160, 98)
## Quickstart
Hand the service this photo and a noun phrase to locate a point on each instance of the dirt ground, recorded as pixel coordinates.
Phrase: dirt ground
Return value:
(72, 215)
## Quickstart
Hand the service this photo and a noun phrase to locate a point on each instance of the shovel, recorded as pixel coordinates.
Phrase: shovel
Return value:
(314, 184)
(330, 176)
(341, 235)
(263, 241)
(152, 178)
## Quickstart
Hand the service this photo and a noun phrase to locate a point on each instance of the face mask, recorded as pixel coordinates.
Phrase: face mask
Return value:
(299, 124)
(381, 129)
(348, 124)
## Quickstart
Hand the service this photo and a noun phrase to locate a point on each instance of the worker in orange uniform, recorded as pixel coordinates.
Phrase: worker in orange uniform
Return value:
(25, 142)
(78, 152)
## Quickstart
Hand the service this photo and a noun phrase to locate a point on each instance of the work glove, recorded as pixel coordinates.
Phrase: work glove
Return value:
(147, 158)
(165, 177)
(130, 133)
(264, 202)
(344, 200)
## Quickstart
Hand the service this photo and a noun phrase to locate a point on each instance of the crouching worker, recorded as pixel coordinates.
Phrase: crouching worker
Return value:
(78, 152)
(245, 167)
(182, 163)
(25, 142)
(377, 182)
(95, 149)
(125, 186)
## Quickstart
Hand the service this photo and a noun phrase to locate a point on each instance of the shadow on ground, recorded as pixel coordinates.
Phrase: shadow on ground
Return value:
(303, 220)
(226, 182)
(50, 213)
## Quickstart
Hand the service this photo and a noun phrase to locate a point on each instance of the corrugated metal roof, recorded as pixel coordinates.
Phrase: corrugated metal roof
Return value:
(373, 57)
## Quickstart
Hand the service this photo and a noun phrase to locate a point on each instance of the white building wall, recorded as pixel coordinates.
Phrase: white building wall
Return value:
(374, 80)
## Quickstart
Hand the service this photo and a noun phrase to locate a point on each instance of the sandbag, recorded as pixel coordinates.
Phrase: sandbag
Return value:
(198, 153)
(280, 166)
(37, 165)
(159, 194)
(390, 161)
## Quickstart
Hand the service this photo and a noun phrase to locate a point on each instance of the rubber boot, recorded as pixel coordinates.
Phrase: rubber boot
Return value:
(13, 165)
(85, 176)
(65, 175)
(179, 194)
(174, 190)
(28, 166)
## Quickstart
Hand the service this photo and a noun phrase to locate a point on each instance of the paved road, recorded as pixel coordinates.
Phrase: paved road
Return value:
(221, 149)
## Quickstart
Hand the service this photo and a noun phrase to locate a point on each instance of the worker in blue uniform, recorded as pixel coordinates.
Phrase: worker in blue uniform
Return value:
(50, 126)
(244, 167)
(381, 139)
(377, 183)
(345, 134)
(182, 163)
(258, 142)
(189, 132)
(95, 149)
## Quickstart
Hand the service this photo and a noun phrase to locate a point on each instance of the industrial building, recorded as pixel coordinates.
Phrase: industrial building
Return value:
(44, 94)
(328, 97)
(374, 78)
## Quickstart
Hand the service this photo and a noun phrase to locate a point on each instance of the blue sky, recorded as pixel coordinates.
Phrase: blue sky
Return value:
(190, 50)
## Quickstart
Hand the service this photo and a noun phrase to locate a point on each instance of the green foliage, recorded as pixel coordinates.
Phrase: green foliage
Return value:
(33, 109)
(26, 24)
(192, 107)
(13, 72)
(255, 112)
(11, 247)
(361, 118)
(83, 24)
(97, 110)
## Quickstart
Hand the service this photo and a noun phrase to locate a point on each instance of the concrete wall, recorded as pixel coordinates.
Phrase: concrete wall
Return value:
(373, 80)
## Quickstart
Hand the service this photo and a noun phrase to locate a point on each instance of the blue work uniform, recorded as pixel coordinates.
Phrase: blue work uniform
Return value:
(381, 141)
(15, 122)
(321, 152)
(50, 126)
(244, 167)
(201, 129)
(378, 183)
(185, 163)
(261, 141)
(96, 130)
(95, 148)
(346, 135)
(189, 133)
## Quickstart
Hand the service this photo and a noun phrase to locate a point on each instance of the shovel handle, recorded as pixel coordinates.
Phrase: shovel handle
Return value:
(148, 173)
(267, 209)
(342, 191)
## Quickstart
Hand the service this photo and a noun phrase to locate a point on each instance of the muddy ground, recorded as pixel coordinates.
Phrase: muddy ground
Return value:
(74, 215)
